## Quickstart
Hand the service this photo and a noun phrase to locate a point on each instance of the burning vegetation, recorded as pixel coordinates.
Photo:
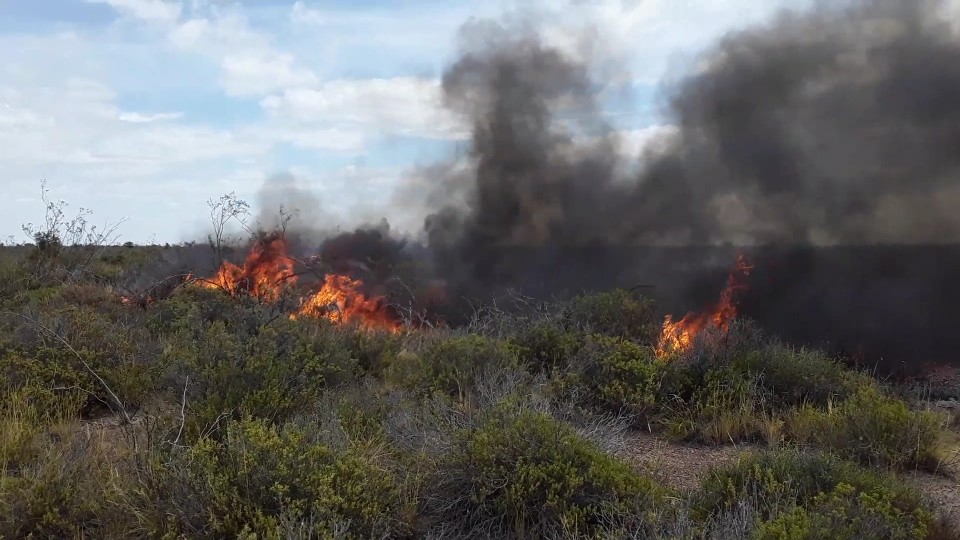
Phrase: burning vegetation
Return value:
(269, 272)
(678, 336)
(837, 126)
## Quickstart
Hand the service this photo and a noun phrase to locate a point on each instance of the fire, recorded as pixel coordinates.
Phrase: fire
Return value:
(342, 300)
(268, 271)
(264, 274)
(678, 336)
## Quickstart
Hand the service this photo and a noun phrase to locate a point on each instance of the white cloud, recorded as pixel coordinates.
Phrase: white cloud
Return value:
(160, 11)
(256, 74)
(407, 106)
(301, 14)
(140, 118)
(93, 111)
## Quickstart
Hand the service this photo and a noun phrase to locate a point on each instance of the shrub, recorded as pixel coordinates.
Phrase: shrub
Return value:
(373, 351)
(545, 345)
(450, 365)
(620, 375)
(70, 348)
(846, 513)
(524, 474)
(726, 406)
(260, 478)
(799, 376)
(873, 429)
(65, 487)
(617, 314)
(778, 481)
(268, 374)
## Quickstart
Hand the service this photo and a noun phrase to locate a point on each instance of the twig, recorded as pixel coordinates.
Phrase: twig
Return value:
(183, 408)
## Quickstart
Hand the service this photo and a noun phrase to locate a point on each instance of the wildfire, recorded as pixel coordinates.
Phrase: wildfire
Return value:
(678, 336)
(263, 275)
(342, 301)
(268, 271)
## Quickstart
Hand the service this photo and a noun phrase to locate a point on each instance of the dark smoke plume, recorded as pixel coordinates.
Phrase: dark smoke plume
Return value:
(826, 143)
(839, 126)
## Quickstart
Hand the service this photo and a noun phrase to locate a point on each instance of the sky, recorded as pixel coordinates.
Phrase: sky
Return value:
(143, 110)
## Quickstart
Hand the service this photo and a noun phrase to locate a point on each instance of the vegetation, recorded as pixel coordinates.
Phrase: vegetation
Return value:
(198, 414)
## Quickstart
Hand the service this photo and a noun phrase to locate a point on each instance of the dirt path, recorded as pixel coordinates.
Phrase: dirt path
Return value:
(680, 465)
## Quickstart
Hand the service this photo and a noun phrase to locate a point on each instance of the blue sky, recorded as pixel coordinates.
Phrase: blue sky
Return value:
(144, 109)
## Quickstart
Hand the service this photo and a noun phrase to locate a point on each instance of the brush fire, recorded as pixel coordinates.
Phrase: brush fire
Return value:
(678, 336)
(268, 272)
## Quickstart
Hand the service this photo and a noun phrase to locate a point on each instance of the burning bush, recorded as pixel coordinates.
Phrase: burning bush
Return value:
(268, 275)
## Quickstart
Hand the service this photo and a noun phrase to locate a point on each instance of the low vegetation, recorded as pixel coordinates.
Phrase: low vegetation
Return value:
(203, 415)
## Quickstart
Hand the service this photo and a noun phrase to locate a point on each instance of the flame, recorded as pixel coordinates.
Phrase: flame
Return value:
(342, 301)
(268, 272)
(678, 336)
(264, 274)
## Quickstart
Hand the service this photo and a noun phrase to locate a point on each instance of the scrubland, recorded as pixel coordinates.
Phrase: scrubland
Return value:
(201, 414)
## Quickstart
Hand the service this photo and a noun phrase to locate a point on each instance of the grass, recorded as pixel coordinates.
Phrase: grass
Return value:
(228, 419)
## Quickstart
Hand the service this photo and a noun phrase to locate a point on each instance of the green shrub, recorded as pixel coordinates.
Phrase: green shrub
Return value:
(873, 429)
(450, 365)
(778, 481)
(191, 307)
(620, 375)
(70, 348)
(617, 314)
(66, 489)
(726, 406)
(846, 513)
(373, 351)
(524, 474)
(259, 477)
(545, 345)
(269, 374)
(799, 376)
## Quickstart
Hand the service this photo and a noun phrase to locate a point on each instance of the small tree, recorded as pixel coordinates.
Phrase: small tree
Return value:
(59, 231)
(222, 211)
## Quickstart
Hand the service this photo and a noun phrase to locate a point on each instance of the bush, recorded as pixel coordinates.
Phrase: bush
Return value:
(450, 365)
(259, 479)
(799, 376)
(524, 474)
(872, 428)
(68, 349)
(846, 513)
(65, 486)
(268, 374)
(620, 375)
(778, 481)
(725, 406)
(616, 314)
(545, 345)
(373, 351)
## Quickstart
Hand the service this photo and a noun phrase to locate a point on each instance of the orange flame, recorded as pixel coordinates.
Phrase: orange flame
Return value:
(678, 336)
(263, 275)
(268, 271)
(342, 301)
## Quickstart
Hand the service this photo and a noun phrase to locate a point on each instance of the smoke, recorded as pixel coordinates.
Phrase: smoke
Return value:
(837, 126)
(284, 203)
